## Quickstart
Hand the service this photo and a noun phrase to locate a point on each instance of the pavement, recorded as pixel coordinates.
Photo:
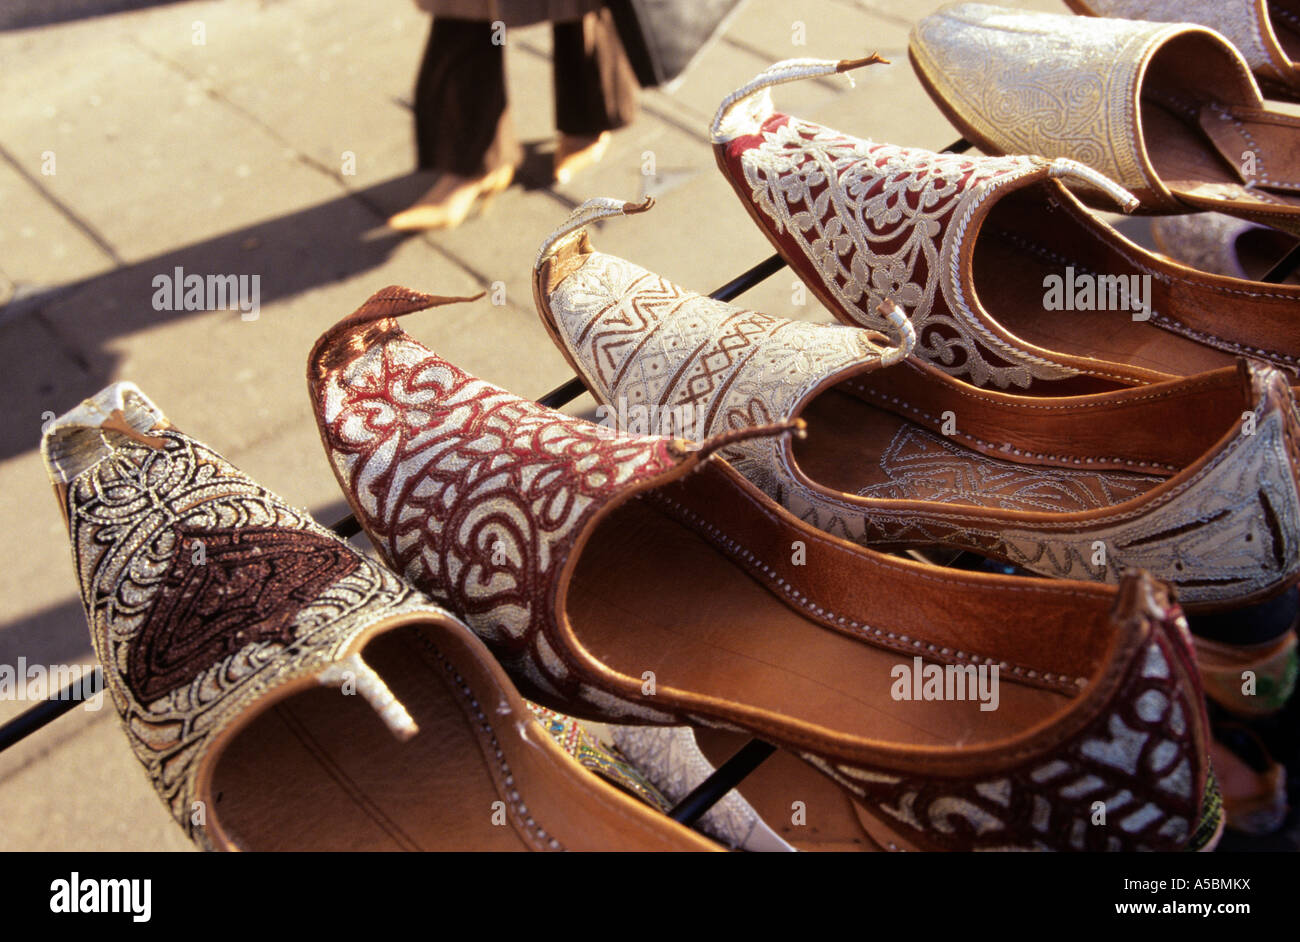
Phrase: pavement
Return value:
(276, 147)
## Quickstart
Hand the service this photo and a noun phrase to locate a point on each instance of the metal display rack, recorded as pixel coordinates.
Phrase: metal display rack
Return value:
(727, 776)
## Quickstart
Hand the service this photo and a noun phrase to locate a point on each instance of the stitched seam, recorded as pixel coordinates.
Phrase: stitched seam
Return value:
(802, 601)
(1052, 526)
(889, 563)
(535, 831)
(1212, 341)
(1004, 449)
(1163, 320)
(1125, 253)
(956, 388)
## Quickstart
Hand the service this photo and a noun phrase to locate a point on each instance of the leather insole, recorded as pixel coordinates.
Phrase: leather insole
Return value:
(651, 594)
(1033, 234)
(856, 447)
(1189, 72)
(1010, 267)
(320, 771)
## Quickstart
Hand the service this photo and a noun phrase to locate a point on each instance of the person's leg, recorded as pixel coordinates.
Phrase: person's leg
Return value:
(462, 122)
(595, 87)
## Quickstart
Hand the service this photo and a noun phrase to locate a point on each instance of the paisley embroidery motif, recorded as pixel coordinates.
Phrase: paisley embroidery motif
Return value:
(133, 518)
(227, 588)
(923, 466)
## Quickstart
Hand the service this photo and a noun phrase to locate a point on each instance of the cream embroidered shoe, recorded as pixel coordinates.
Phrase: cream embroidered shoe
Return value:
(1168, 110)
(1265, 32)
(907, 457)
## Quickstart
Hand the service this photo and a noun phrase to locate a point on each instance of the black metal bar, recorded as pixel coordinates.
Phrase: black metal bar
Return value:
(743, 282)
(562, 394)
(730, 774)
(1286, 265)
(47, 711)
(347, 527)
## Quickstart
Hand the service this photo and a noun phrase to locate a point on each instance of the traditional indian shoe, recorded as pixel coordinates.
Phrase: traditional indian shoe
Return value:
(1267, 33)
(1252, 783)
(450, 201)
(1271, 667)
(1010, 282)
(909, 458)
(1222, 245)
(670, 757)
(600, 758)
(1171, 110)
(1248, 660)
(575, 153)
(640, 579)
(660, 765)
(282, 691)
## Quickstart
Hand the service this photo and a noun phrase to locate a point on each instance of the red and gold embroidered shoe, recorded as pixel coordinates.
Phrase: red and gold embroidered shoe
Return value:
(282, 691)
(1009, 280)
(910, 458)
(640, 578)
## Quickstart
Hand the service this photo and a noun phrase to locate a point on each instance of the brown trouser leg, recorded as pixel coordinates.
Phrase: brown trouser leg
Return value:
(595, 87)
(462, 121)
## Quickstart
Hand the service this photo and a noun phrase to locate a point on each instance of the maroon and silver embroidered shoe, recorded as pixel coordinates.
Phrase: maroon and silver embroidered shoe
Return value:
(640, 578)
(1009, 280)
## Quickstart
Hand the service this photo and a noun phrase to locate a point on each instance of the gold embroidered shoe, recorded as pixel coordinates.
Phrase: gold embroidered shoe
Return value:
(640, 579)
(1169, 110)
(1077, 487)
(282, 691)
(1265, 32)
(1009, 281)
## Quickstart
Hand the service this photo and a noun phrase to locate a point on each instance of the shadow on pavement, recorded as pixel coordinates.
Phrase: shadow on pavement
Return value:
(24, 14)
(66, 333)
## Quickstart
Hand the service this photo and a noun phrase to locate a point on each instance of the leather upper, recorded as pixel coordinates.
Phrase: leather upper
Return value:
(474, 494)
(488, 500)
